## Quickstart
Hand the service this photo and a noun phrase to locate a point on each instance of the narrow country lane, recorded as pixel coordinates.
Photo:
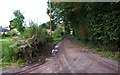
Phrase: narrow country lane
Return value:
(72, 58)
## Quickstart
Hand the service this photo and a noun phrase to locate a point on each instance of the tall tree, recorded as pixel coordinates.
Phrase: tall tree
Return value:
(93, 22)
(18, 21)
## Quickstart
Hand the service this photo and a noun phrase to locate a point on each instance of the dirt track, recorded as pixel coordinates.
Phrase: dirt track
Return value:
(71, 58)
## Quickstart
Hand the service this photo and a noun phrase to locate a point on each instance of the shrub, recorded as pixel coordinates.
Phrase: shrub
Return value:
(10, 33)
(34, 38)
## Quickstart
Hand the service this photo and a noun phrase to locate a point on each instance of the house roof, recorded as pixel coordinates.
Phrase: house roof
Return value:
(3, 30)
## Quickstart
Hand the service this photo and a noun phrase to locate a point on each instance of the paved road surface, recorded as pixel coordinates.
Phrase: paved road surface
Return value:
(71, 58)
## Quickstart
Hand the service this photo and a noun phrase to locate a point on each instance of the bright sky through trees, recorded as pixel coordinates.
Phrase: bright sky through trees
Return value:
(31, 9)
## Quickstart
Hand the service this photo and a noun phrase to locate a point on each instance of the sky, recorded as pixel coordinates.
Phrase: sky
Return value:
(34, 10)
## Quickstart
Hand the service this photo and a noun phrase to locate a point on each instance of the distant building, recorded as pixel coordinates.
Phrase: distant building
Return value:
(3, 30)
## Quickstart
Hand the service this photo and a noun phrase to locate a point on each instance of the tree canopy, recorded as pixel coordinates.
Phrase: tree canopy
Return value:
(98, 23)
(18, 21)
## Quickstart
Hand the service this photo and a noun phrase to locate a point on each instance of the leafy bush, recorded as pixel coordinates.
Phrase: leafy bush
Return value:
(10, 33)
(34, 38)
(104, 24)
(57, 33)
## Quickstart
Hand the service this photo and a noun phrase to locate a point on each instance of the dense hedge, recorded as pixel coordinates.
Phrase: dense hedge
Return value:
(98, 23)
(103, 21)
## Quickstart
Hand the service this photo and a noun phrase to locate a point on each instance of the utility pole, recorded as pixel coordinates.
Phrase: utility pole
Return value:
(50, 19)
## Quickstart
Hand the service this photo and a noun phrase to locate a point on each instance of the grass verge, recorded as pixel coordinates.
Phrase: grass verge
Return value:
(114, 55)
(7, 54)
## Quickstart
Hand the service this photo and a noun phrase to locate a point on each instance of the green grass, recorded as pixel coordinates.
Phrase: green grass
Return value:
(7, 53)
(108, 54)
(57, 38)
(2, 40)
(6, 50)
(105, 53)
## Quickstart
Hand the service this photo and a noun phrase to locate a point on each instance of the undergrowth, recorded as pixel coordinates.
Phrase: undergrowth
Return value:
(100, 50)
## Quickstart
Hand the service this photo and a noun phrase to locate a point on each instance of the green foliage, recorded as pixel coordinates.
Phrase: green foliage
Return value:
(28, 48)
(8, 54)
(109, 54)
(92, 22)
(18, 21)
(57, 33)
(104, 24)
(34, 38)
(45, 25)
(12, 33)
(9, 34)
